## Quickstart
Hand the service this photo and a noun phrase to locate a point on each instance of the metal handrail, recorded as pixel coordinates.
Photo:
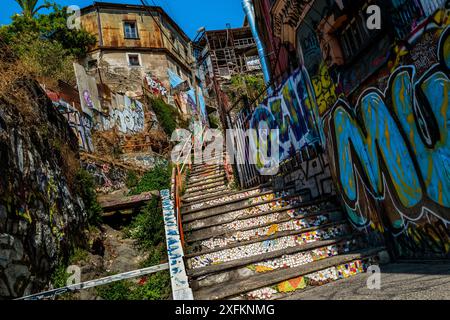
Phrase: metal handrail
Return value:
(178, 180)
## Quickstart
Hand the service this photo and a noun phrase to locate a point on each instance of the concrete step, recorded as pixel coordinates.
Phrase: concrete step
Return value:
(237, 201)
(272, 261)
(206, 195)
(201, 168)
(264, 244)
(207, 179)
(272, 211)
(206, 184)
(293, 226)
(258, 221)
(246, 287)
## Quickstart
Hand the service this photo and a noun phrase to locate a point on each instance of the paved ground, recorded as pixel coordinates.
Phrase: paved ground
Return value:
(402, 281)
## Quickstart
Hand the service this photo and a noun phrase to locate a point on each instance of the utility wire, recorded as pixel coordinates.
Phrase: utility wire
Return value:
(147, 6)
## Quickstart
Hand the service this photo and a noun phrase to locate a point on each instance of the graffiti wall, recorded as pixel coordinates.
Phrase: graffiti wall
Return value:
(41, 216)
(107, 176)
(87, 87)
(391, 151)
(313, 178)
(126, 114)
(290, 111)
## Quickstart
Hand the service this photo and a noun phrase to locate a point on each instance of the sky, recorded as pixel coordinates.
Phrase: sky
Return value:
(189, 14)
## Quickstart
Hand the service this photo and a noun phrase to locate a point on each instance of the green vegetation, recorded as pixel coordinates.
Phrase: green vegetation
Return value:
(60, 276)
(132, 180)
(249, 85)
(214, 122)
(44, 43)
(152, 287)
(169, 117)
(30, 7)
(155, 180)
(148, 227)
(86, 189)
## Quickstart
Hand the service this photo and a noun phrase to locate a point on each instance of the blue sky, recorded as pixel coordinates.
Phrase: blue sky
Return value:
(189, 14)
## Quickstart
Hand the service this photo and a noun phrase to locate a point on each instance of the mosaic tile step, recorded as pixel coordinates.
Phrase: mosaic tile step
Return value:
(203, 178)
(205, 186)
(251, 197)
(283, 262)
(319, 278)
(236, 220)
(240, 236)
(281, 280)
(258, 248)
(210, 193)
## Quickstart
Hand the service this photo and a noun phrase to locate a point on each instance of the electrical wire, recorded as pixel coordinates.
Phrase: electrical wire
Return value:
(146, 7)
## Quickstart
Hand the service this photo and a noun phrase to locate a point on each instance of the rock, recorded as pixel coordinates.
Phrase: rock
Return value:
(43, 218)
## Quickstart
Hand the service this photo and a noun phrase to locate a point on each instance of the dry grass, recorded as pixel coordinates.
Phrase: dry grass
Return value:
(14, 89)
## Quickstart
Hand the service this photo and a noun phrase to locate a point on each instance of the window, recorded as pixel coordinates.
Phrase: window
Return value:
(133, 60)
(130, 29)
(356, 37)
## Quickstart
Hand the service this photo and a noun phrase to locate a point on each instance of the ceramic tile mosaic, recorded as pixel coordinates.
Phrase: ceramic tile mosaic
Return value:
(227, 199)
(293, 225)
(206, 188)
(207, 193)
(314, 279)
(296, 260)
(267, 246)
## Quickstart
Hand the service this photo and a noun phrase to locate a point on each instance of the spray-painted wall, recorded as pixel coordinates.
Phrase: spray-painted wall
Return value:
(386, 136)
(391, 154)
(41, 216)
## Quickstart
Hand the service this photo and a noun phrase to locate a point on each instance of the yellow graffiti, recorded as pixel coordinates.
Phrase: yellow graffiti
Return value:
(324, 89)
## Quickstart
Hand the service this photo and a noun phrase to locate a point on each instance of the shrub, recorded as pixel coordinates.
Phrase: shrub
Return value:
(85, 186)
(132, 179)
(115, 291)
(156, 179)
(59, 276)
(148, 227)
(156, 287)
(168, 116)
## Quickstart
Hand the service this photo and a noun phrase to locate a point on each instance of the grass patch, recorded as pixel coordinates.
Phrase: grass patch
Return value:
(152, 287)
(168, 116)
(147, 228)
(85, 186)
(155, 180)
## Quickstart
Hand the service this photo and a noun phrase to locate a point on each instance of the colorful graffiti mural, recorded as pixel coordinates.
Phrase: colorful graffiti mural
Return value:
(155, 86)
(392, 156)
(289, 111)
(126, 114)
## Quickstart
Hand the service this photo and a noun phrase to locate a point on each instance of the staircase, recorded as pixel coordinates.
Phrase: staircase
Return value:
(259, 244)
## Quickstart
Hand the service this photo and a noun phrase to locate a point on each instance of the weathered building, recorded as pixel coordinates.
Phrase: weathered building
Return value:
(222, 54)
(135, 44)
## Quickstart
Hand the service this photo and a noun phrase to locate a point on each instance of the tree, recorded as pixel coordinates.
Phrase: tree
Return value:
(29, 7)
(51, 27)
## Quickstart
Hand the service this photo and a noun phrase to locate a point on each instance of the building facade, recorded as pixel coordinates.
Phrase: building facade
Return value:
(222, 55)
(136, 43)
